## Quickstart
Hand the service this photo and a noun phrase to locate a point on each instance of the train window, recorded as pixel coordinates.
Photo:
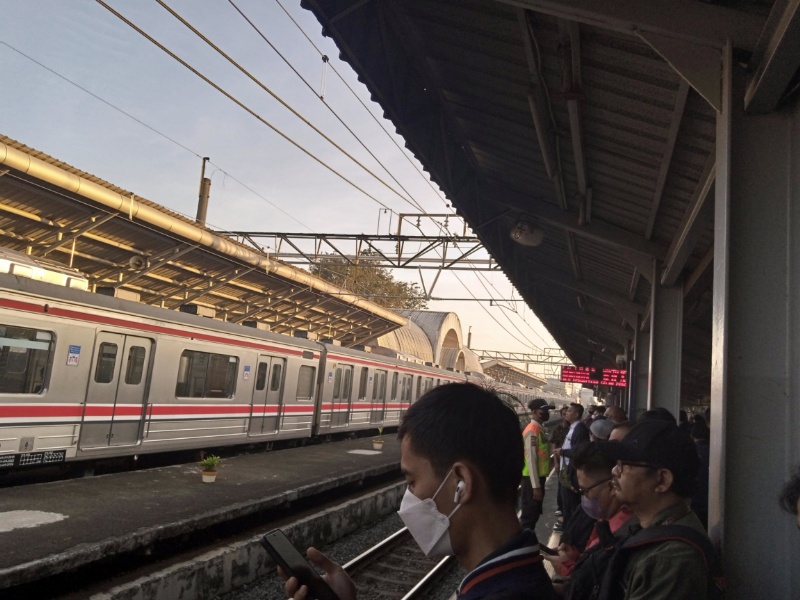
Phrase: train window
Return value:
(305, 383)
(348, 383)
(25, 357)
(261, 376)
(275, 384)
(362, 385)
(135, 368)
(419, 385)
(204, 375)
(394, 386)
(408, 384)
(379, 389)
(337, 384)
(428, 383)
(104, 372)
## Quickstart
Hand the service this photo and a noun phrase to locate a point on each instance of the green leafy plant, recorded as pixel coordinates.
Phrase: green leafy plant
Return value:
(380, 430)
(210, 462)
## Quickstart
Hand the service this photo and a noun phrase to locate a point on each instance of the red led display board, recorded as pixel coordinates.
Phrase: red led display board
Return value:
(595, 376)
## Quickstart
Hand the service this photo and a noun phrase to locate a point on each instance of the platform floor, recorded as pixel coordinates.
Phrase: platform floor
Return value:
(50, 528)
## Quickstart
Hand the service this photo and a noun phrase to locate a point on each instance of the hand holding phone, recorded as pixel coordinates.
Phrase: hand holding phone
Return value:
(549, 551)
(294, 564)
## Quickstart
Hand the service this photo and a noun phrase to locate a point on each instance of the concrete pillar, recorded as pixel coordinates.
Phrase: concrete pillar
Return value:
(755, 411)
(666, 338)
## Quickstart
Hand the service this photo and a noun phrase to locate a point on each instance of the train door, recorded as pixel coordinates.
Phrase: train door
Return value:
(267, 394)
(117, 391)
(342, 394)
(378, 397)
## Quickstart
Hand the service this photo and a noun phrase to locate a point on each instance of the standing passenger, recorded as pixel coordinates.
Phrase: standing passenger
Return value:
(616, 414)
(462, 455)
(577, 435)
(537, 463)
(557, 437)
(656, 468)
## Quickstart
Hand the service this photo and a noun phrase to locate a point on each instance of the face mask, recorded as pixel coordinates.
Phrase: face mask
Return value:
(427, 525)
(544, 416)
(593, 508)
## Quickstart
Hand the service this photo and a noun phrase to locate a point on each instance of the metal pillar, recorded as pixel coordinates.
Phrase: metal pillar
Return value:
(755, 407)
(666, 338)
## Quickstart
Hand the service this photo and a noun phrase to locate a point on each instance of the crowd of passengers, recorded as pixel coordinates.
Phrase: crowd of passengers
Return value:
(632, 526)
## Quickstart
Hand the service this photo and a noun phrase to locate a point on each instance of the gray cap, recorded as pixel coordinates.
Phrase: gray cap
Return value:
(601, 428)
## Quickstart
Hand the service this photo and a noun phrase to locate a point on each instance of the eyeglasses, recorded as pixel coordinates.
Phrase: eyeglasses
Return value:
(585, 491)
(621, 464)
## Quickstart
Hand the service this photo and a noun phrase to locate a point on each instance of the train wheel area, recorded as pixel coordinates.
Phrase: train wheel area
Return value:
(89, 521)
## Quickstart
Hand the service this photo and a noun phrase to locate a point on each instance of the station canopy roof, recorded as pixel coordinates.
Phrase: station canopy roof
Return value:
(576, 137)
(54, 212)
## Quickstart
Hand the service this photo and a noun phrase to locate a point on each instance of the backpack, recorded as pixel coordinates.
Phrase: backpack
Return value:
(598, 572)
(610, 587)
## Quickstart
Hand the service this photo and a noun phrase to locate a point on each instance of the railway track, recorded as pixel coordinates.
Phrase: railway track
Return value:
(396, 568)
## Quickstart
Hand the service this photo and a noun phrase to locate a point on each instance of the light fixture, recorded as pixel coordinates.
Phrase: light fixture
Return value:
(526, 234)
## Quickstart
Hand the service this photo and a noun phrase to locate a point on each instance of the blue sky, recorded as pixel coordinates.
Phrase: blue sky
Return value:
(174, 118)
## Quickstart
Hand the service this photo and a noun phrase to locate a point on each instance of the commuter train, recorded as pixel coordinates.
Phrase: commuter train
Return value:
(85, 376)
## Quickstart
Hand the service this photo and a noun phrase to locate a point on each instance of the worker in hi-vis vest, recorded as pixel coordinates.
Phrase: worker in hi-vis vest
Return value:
(537, 462)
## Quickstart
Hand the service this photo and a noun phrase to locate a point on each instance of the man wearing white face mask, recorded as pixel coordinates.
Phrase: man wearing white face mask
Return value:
(461, 454)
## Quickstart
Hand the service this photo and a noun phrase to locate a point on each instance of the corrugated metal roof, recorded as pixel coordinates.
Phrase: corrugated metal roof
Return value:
(464, 82)
(48, 219)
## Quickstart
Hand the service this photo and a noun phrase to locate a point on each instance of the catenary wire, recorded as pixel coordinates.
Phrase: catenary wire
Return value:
(374, 118)
(154, 130)
(283, 103)
(239, 103)
(328, 106)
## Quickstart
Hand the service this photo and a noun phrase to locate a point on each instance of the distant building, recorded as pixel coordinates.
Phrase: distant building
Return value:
(506, 373)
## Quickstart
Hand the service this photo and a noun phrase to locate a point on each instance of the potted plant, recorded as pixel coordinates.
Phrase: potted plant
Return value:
(377, 443)
(209, 465)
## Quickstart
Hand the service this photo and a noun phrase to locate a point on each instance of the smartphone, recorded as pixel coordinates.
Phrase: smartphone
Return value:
(545, 550)
(294, 564)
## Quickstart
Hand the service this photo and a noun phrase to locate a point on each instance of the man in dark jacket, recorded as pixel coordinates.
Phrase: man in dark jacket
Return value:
(656, 468)
(578, 434)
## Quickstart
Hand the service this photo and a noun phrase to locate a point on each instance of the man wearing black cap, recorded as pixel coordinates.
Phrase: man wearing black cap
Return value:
(655, 472)
(537, 463)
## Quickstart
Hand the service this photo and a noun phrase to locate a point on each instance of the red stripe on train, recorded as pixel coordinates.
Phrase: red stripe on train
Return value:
(90, 318)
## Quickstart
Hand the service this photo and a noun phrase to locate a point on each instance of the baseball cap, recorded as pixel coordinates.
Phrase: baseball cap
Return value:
(538, 403)
(602, 428)
(658, 443)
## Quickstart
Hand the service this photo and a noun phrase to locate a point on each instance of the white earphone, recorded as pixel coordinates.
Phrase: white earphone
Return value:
(459, 488)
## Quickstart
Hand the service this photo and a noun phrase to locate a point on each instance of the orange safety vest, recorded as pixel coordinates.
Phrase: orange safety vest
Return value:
(542, 450)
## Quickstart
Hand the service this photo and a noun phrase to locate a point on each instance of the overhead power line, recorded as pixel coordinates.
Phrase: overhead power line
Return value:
(369, 112)
(321, 97)
(239, 103)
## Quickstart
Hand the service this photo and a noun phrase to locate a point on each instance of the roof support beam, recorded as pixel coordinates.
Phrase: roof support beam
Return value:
(685, 20)
(775, 59)
(540, 111)
(697, 64)
(619, 333)
(698, 214)
(552, 215)
(625, 307)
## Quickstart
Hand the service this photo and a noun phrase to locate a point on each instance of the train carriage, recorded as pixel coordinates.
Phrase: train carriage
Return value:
(86, 376)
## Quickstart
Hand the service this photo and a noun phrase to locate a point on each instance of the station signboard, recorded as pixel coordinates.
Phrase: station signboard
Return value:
(595, 376)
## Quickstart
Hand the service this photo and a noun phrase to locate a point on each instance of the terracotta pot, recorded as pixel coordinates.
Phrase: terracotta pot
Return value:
(209, 476)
